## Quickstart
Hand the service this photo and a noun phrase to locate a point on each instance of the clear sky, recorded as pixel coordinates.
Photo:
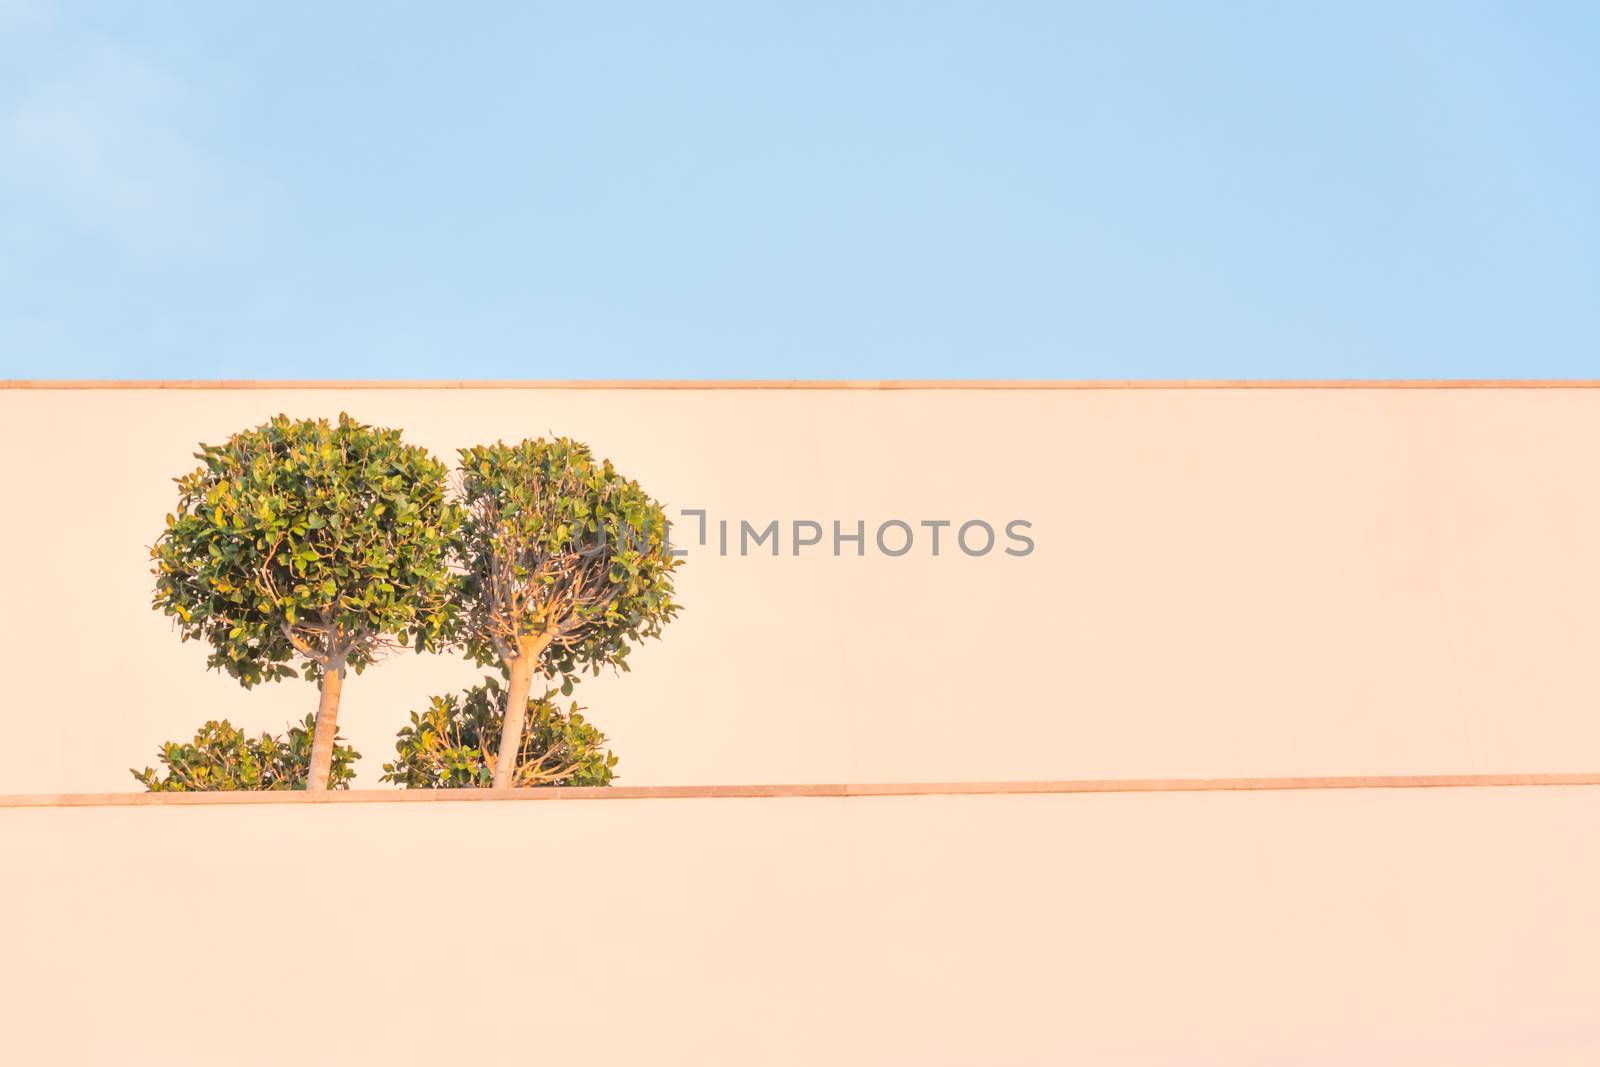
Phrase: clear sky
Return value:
(1066, 190)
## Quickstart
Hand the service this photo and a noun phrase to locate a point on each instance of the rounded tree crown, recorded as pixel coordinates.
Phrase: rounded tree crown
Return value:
(557, 544)
(309, 540)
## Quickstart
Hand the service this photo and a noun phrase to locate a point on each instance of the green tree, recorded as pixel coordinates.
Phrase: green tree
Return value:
(455, 744)
(566, 564)
(223, 758)
(309, 541)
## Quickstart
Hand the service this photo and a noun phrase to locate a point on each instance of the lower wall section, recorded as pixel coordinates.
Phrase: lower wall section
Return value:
(1314, 928)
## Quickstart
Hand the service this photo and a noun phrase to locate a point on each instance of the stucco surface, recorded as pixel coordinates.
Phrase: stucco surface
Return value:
(1321, 929)
(1225, 583)
(1260, 583)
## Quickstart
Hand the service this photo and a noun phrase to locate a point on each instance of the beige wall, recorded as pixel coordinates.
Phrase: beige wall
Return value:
(1227, 582)
(1452, 928)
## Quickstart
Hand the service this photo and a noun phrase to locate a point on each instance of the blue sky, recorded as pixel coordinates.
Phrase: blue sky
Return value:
(904, 190)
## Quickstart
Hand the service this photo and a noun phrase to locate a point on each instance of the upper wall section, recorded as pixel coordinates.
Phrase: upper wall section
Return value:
(1222, 582)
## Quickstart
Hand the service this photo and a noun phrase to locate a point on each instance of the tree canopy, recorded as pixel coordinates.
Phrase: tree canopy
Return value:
(556, 542)
(301, 538)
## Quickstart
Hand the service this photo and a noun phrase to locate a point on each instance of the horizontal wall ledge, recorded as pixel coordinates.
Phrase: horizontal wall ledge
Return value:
(867, 789)
(956, 384)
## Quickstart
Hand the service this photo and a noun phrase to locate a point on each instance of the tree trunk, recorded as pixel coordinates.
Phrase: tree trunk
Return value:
(529, 649)
(327, 729)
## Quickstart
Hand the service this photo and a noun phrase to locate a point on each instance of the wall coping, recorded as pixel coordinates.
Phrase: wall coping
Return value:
(908, 384)
(865, 789)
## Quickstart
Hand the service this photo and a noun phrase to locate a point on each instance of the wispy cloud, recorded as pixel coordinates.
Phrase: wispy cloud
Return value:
(107, 146)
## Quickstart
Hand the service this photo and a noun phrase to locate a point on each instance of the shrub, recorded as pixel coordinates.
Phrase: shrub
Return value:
(224, 758)
(456, 742)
